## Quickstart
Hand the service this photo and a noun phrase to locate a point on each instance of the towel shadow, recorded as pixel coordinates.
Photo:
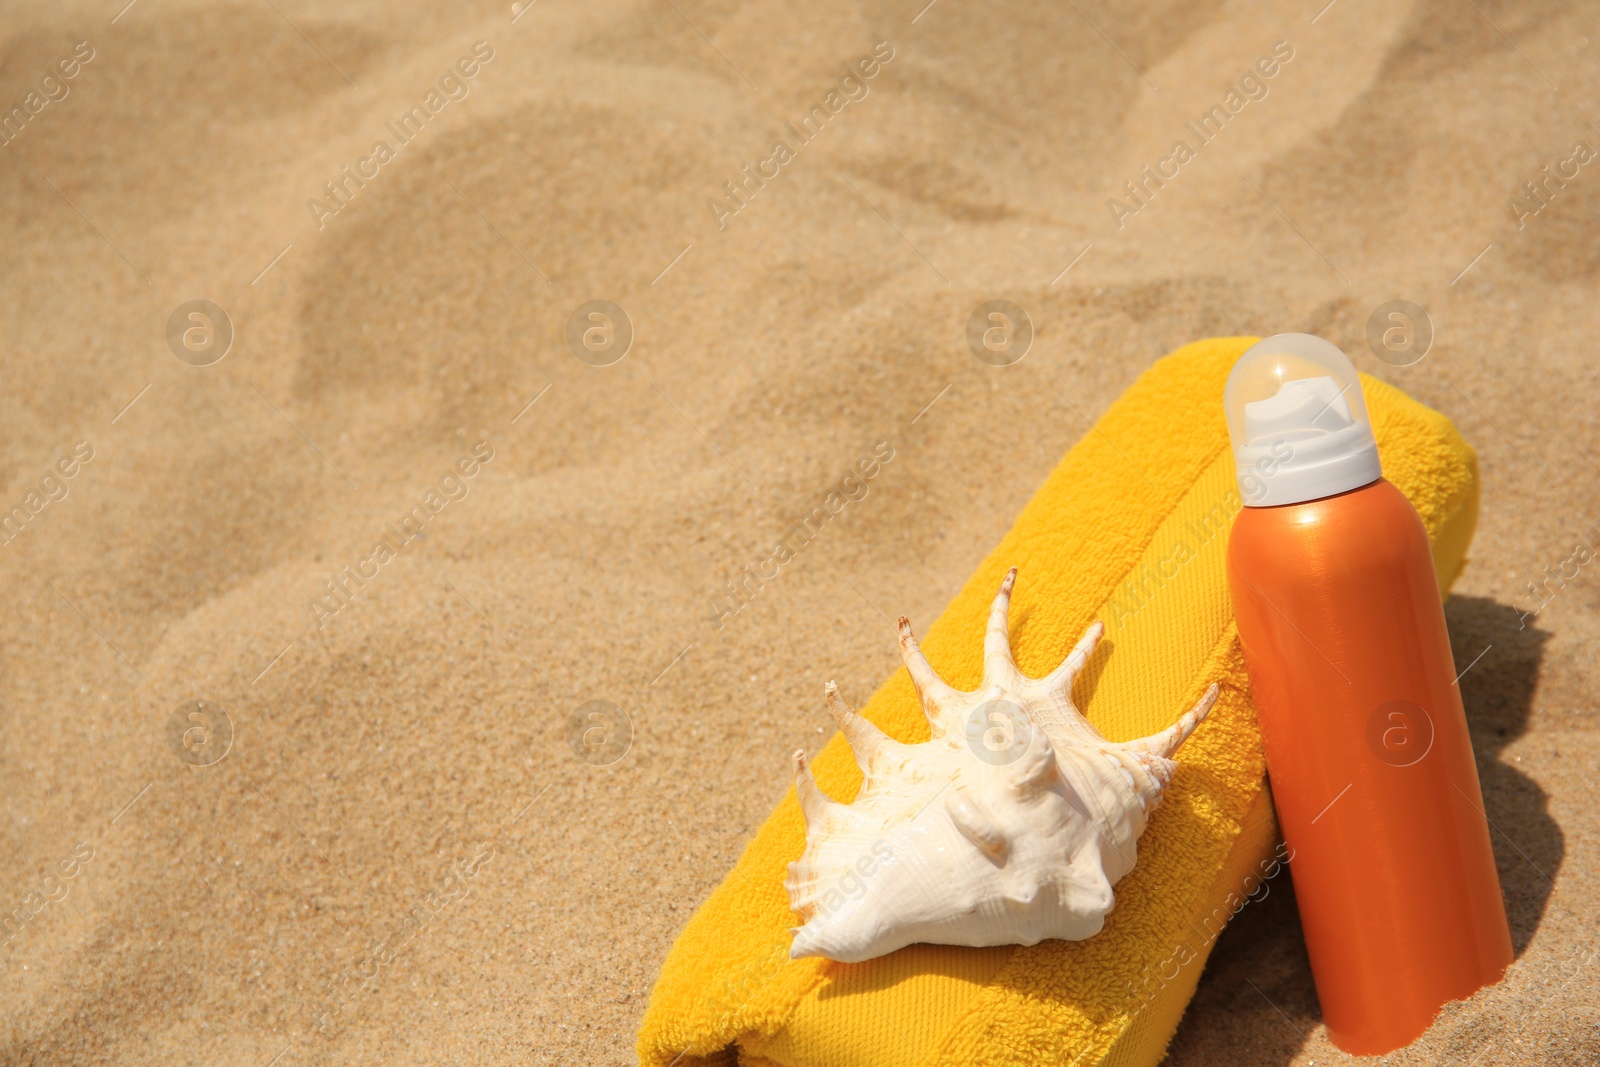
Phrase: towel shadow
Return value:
(1256, 1001)
(914, 963)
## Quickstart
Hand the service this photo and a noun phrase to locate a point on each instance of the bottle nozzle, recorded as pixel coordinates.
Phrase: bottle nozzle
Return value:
(1298, 422)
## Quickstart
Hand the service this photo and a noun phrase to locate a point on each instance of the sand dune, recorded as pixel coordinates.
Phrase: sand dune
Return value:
(399, 858)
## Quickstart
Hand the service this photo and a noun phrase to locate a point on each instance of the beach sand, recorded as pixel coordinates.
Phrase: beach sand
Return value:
(375, 842)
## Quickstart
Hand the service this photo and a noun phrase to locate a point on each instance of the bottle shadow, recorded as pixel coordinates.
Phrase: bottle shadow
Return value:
(1256, 1002)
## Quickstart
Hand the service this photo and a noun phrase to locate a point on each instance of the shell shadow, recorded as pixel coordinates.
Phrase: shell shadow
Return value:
(1256, 1001)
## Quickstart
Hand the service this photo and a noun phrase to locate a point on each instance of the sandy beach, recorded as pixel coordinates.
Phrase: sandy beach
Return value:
(397, 394)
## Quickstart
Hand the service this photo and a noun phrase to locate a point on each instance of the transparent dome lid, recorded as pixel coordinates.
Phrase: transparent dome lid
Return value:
(1298, 422)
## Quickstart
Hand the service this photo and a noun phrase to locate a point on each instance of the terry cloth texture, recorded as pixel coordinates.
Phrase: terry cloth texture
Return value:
(1131, 528)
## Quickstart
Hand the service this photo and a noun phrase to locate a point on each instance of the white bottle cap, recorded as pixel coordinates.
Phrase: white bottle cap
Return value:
(1298, 422)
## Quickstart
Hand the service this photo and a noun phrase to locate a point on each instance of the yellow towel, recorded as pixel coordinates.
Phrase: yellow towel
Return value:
(1130, 528)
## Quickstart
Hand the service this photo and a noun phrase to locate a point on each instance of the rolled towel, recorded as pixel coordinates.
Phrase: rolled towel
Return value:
(1131, 528)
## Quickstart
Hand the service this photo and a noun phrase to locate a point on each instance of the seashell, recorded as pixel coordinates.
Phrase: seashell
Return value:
(1009, 826)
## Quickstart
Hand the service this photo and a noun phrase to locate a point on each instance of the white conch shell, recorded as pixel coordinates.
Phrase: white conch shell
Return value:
(1009, 826)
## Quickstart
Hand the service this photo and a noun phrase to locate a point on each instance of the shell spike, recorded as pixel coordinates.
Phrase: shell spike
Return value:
(977, 825)
(998, 666)
(1036, 769)
(935, 693)
(1060, 680)
(1165, 743)
(866, 740)
(813, 804)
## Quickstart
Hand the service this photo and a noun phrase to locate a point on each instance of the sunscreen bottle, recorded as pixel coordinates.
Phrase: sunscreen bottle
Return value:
(1344, 638)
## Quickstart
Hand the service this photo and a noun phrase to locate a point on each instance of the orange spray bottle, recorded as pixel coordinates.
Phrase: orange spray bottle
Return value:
(1344, 638)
